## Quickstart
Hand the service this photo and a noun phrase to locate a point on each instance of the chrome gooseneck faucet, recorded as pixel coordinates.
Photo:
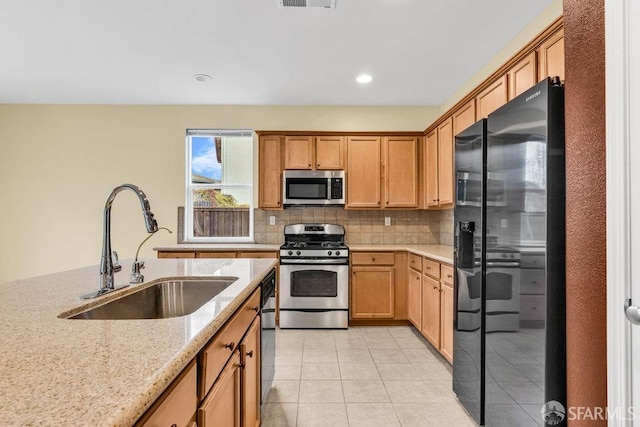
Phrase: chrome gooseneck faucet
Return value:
(106, 284)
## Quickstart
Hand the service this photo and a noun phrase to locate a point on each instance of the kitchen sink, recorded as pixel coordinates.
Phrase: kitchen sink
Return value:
(165, 299)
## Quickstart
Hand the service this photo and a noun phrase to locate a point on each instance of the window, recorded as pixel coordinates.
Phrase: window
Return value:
(219, 190)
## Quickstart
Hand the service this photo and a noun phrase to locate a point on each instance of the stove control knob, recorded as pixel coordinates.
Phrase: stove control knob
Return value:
(290, 252)
(297, 252)
(329, 253)
(513, 256)
(337, 253)
(504, 255)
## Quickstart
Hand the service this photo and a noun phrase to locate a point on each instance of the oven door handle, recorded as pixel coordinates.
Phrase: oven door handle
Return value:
(504, 264)
(314, 261)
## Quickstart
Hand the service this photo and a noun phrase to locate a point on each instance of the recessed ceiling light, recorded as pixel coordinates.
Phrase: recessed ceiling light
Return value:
(364, 78)
(202, 78)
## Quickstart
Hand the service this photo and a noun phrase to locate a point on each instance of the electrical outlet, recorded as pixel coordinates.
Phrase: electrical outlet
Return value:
(387, 220)
(503, 223)
(272, 220)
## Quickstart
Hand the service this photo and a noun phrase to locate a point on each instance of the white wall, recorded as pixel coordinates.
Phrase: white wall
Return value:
(58, 164)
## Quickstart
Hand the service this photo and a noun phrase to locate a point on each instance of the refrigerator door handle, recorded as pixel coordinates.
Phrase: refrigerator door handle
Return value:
(465, 252)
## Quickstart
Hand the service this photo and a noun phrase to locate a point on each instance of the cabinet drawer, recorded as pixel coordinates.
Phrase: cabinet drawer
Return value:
(415, 262)
(531, 260)
(532, 307)
(177, 405)
(215, 254)
(258, 255)
(372, 258)
(181, 254)
(532, 281)
(446, 273)
(217, 352)
(431, 268)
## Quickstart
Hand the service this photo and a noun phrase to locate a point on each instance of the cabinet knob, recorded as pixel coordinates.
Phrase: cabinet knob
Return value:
(373, 259)
(250, 353)
(449, 276)
(309, 164)
(240, 365)
(230, 346)
(318, 165)
(256, 309)
(428, 268)
(435, 287)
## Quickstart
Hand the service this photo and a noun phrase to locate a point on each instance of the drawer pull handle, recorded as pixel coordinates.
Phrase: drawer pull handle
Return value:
(256, 309)
(250, 353)
(230, 346)
(435, 287)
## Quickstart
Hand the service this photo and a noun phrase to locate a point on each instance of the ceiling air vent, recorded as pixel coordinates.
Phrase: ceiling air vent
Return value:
(328, 4)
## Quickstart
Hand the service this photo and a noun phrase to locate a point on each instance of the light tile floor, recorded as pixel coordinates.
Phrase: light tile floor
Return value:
(364, 376)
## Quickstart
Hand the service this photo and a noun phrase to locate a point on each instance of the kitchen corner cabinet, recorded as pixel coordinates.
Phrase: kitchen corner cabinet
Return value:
(363, 173)
(522, 76)
(270, 172)
(400, 163)
(438, 162)
(551, 56)
(492, 98)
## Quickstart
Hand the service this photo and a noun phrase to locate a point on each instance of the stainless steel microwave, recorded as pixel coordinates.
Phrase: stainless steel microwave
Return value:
(469, 189)
(313, 188)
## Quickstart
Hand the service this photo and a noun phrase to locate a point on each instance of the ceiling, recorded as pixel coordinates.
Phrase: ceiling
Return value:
(147, 51)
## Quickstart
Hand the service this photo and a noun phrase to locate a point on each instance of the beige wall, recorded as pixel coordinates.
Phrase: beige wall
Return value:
(542, 21)
(58, 164)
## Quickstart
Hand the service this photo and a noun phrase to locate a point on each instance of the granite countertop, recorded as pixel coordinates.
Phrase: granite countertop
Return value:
(442, 253)
(57, 371)
(186, 247)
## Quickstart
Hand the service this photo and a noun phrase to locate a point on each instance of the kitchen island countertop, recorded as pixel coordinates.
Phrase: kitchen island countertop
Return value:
(57, 371)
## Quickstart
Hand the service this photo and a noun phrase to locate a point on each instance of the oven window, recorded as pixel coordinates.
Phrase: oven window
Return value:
(307, 188)
(314, 283)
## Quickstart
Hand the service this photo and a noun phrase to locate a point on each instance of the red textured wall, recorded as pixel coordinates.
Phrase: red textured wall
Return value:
(586, 205)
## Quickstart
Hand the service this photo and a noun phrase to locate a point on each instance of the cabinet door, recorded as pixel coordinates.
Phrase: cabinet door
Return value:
(372, 293)
(431, 167)
(522, 76)
(492, 98)
(414, 303)
(298, 152)
(464, 117)
(329, 152)
(401, 172)
(551, 56)
(445, 163)
(363, 172)
(446, 321)
(221, 407)
(431, 310)
(270, 173)
(250, 353)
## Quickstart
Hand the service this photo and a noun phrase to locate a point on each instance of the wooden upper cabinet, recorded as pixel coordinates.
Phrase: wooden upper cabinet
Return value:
(551, 56)
(401, 172)
(523, 75)
(431, 166)
(464, 117)
(445, 163)
(270, 172)
(363, 172)
(329, 151)
(298, 152)
(492, 98)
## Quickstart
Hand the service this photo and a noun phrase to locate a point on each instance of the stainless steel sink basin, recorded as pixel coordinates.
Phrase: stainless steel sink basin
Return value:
(170, 298)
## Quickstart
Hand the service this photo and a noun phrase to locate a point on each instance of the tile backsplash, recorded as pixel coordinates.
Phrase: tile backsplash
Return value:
(413, 227)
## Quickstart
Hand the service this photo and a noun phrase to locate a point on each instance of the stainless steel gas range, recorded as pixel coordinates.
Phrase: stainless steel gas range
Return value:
(314, 277)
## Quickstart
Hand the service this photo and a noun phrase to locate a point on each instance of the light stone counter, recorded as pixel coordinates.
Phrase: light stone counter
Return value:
(440, 253)
(63, 372)
(218, 247)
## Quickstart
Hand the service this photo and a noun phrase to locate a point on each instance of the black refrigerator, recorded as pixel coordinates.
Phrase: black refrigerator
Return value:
(509, 354)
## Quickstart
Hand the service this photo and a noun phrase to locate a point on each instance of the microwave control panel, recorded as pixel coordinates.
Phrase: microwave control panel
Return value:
(336, 188)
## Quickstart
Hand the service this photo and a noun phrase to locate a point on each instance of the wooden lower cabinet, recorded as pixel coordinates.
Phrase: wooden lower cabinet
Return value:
(430, 326)
(446, 321)
(250, 384)
(414, 303)
(372, 292)
(221, 408)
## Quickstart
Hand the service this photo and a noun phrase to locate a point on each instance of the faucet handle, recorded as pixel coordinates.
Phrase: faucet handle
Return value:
(116, 262)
